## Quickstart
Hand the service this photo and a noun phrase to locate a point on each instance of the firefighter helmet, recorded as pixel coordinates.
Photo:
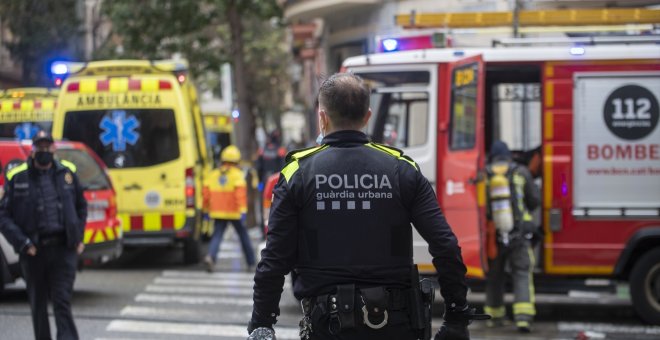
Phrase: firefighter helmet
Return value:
(230, 154)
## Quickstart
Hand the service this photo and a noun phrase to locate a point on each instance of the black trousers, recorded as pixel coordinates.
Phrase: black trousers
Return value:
(49, 276)
(397, 328)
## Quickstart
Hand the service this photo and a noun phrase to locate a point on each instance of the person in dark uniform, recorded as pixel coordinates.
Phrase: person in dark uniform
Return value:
(43, 215)
(340, 220)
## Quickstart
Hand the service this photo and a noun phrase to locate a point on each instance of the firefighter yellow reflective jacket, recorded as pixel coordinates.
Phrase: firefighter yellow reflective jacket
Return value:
(225, 193)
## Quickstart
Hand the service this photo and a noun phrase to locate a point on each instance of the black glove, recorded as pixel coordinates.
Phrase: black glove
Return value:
(452, 332)
(456, 321)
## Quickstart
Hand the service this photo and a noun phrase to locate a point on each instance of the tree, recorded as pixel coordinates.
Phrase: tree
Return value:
(208, 33)
(42, 31)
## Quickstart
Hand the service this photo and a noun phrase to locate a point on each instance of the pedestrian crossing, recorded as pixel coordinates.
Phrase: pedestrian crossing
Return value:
(194, 304)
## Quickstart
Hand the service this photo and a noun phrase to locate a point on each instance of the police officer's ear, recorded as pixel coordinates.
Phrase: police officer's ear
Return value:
(366, 118)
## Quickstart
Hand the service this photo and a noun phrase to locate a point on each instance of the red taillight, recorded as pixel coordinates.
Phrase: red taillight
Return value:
(190, 188)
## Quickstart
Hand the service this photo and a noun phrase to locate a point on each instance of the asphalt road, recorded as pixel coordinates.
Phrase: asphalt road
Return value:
(148, 294)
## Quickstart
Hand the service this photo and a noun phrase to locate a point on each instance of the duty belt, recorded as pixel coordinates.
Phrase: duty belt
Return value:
(373, 303)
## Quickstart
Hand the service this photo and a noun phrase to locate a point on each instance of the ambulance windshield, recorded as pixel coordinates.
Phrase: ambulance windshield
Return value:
(126, 138)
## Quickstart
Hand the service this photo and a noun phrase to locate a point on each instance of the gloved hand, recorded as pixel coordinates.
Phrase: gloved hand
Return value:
(456, 321)
(260, 186)
(262, 333)
(243, 218)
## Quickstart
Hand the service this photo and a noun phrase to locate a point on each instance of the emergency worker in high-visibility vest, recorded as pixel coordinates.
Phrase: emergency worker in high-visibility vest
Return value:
(512, 195)
(225, 197)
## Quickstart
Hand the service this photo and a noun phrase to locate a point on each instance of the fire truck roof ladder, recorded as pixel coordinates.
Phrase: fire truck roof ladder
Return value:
(593, 40)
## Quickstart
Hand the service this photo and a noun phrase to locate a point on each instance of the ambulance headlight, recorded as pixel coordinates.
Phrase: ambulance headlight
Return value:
(390, 45)
(59, 69)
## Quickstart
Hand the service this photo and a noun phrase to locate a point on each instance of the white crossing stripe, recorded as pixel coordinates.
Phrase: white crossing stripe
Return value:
(607, 328)
(204, 282)
(194, 299)
(236, 331)
(207, 282)
(204, 275)
(234, 291)
(178, 313)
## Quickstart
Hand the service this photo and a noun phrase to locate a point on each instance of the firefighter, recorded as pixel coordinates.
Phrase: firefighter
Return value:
(225, 197)
(512, 195)
(43, 215)
(340, 220)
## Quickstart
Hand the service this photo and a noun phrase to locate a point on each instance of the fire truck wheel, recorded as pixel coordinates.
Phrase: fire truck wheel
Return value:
(645, 287)
(191, 251)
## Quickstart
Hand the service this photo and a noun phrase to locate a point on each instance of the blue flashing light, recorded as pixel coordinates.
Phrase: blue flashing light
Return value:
(577, 50)
(235, 114)
(390, 45)
(59, 69)
(459, 53)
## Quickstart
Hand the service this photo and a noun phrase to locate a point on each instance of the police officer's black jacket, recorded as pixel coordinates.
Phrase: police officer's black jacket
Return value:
(20, 208)
(341, 214)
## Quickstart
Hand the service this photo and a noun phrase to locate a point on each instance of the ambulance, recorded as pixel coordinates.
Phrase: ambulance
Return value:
(219, 132)
(584, 117)
(143, 120)
(26, 111)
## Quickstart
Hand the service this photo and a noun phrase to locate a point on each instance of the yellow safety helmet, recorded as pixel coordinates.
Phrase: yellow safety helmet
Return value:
(230, 154)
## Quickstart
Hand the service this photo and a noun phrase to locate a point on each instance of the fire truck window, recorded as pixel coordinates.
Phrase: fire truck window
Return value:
(401, 118)
(517, 115)
(400, 107)
(464, 108)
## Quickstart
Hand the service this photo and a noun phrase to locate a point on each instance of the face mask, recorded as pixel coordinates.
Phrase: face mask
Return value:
(43, 157)
(319, 139)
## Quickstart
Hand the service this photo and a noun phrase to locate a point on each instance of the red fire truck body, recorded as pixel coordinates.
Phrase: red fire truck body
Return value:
(585, 119)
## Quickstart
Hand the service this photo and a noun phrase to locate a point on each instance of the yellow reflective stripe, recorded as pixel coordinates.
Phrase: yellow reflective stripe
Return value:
(98, 238)
(149, 85)
(290, 169)
(151, 221)
(88, 236)
(118, 85)
(16, 170)
(392, 152)
(109, 234)
(27, 105)
(69, 165)
(48, 104)
(87, 86)
(125, 221)
(526, 308)
(179, 220)
(496, 312)
(6, 105)
(302, 154)
(293, 166)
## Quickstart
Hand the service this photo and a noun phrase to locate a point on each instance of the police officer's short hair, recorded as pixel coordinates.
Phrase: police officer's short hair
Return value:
(345, 98)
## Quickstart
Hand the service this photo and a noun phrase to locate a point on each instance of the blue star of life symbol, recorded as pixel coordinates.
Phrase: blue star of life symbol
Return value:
(119, 130)
(222, 180)
(25, 130)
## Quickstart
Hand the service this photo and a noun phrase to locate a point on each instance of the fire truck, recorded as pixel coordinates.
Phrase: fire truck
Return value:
(583, 117)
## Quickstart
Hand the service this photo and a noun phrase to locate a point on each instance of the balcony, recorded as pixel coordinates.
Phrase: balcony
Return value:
(296, 10)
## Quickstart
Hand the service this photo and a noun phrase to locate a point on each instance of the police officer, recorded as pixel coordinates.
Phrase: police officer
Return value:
(43, 215)
(340, 219)
(513, 244)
